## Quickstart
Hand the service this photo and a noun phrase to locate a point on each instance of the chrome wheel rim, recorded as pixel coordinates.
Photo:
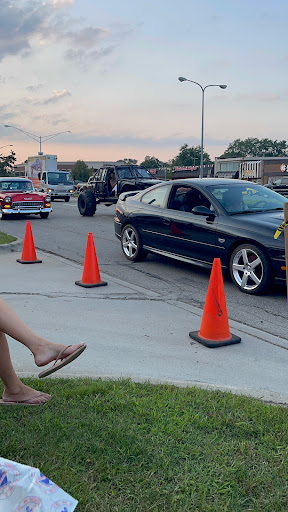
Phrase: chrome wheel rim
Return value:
(129, 242)
(247, 269)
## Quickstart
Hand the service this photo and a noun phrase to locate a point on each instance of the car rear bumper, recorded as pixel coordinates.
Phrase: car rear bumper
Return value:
(61, 194)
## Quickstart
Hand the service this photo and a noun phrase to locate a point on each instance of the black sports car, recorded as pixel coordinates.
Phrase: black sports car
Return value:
(196, 220)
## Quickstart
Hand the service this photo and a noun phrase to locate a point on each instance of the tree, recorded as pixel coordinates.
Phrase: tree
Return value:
(151, 162)
(81, 171)
(128, 161)
(7, 164)
(253, 147)
(190, 156)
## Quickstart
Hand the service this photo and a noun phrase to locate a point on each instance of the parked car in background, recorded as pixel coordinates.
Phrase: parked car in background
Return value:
(17, 196)
(280, 185)
(197, 220)
(100, 189)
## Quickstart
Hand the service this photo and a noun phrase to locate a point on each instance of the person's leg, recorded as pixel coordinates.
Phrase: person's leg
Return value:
(44, 351)
(14, 389)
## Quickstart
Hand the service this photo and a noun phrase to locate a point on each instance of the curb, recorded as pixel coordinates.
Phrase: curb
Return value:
(13, 247)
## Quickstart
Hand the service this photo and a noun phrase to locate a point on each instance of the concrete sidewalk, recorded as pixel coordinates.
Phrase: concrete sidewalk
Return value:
(132, 332)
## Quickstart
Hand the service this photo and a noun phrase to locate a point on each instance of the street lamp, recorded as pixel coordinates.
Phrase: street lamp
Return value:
(6, 146)
(36, 137)
(182, 79)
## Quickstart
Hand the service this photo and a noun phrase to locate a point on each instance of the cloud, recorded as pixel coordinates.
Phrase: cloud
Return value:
(134, 140)
(62, 3)
(260, 97)
(87, 36)
(33, 88)
(26, 25)
(82, 57)
(57, 95)
(17, 24)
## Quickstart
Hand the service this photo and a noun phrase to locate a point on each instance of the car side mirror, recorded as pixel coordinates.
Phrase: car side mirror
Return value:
(203, 210)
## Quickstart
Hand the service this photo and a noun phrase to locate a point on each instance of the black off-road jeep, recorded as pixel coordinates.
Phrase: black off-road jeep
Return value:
(99, 189)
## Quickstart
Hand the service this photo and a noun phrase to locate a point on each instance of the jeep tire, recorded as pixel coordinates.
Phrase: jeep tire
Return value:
(87, 203)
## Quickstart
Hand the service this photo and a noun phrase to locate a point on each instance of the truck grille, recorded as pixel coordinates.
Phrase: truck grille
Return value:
(27, 205)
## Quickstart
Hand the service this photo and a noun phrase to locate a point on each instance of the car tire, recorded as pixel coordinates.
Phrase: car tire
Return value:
(87, 203)
(250, 269)
(131, 244)
(3, 216)
(44, 215)
(67, 199)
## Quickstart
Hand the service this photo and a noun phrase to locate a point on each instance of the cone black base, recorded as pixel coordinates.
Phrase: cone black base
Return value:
(213, 344)
(32, 261)
(86, 285)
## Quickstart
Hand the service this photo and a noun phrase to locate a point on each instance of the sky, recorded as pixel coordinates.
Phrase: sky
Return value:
(107, 72)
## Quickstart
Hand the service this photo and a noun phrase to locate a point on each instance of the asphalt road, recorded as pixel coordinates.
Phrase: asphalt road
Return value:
(65, 233)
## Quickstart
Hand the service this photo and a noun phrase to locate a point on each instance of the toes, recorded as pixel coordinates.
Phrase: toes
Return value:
(39, 399)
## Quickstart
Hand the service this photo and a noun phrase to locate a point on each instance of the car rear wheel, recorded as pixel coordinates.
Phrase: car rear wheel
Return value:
(131, 244)
(87, 203)
(250, 269)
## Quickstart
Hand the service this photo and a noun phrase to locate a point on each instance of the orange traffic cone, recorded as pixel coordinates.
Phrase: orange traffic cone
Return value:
(28, 252)
(214, 330)
(91, 274)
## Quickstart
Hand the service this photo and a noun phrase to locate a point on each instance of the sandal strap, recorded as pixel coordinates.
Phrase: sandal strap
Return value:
(60, 353)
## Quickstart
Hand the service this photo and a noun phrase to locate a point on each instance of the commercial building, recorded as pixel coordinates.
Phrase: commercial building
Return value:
(261, 170)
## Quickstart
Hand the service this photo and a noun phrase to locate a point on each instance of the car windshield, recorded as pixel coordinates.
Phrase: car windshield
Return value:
(21, 186)
(55, 178)
(246, 198)
(281, 181)
(141, 172)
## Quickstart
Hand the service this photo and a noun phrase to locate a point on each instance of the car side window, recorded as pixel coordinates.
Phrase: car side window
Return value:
(124, 173)
(156, 197)
(185, 198)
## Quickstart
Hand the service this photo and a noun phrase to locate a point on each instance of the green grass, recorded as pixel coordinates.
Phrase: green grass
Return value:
(6, 239)
(121, 446)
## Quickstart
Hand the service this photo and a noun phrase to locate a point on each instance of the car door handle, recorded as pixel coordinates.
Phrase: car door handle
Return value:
(167, 222)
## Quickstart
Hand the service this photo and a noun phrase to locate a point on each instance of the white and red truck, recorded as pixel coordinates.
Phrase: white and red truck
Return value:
(43, 172)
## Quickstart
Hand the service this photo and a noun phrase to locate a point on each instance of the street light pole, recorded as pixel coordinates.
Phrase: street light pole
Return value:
(182, 79)
(6, 145)
(40, 138)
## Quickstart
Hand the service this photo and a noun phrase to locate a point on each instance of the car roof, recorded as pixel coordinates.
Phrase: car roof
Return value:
(206, 182)
(13, 178)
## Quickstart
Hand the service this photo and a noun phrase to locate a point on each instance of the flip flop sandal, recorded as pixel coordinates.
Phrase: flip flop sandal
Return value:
(63, 361)
(28, 401)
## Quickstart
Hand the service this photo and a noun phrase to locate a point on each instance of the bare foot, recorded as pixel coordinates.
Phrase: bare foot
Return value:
(50, 352)
(25, 395)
